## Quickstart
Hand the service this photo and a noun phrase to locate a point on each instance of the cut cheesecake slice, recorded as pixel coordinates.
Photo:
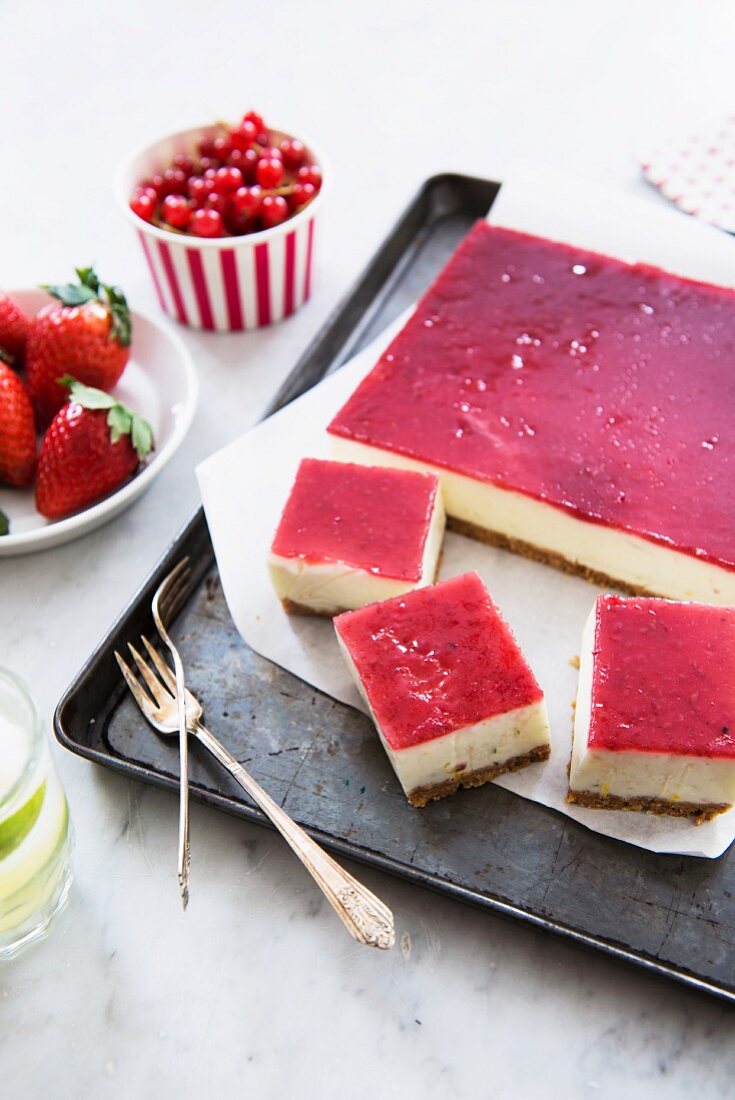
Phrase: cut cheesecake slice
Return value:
(450, 693)
(577, 408)
(654, 725)
(350, 535)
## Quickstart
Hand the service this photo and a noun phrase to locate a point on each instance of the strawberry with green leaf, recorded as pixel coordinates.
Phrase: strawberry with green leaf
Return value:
(86, 334)
(93, 445)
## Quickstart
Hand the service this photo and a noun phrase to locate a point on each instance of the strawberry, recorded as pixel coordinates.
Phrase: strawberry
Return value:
(85, 334)
(92, 446)
(17, 433)
(14, 327)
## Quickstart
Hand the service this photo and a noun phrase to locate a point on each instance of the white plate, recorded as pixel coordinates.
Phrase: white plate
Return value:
(160, 383)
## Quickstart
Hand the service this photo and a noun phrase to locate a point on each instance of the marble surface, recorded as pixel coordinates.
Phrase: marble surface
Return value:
(256, 987)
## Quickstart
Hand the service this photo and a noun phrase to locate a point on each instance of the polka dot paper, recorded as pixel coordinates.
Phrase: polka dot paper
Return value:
(699, 174)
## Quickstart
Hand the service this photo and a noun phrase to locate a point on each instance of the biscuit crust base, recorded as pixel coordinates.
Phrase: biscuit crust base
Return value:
(547, 557)
(420, 796)
(699, 813)
(291, 607)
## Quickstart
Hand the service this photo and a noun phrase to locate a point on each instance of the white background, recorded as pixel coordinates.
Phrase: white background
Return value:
(256, 990)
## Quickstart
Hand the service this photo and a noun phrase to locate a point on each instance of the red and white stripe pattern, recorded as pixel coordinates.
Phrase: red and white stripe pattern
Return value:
(233, 288)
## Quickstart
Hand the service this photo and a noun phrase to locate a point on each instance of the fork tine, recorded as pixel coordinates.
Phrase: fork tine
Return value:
(173, 587)
(174, 597)
(164, 671)
(156, 688)
(143, 700)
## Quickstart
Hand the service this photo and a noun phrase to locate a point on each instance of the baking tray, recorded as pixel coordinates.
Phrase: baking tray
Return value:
(673, 916)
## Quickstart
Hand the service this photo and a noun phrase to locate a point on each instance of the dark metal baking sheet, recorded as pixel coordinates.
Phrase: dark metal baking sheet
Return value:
(322, 761)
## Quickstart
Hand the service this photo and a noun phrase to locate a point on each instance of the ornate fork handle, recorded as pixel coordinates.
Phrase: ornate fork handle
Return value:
(365, 917)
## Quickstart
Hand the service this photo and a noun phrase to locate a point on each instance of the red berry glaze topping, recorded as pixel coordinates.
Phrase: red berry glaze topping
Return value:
(436, 660)
(663, 678)
(330, 517)
(636, 448)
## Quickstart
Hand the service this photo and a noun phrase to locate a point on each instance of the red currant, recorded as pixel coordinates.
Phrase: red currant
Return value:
(157, 183)
(293, 152)
(227, 180)
(222, 147)
(199, 188)
(245, 160)
(206, 223)
(246, 201)
(206, 146)
(243, 136)
(310, 173)
(144, 206)
(174, 182)
(269, 172)
(256, 120)
(273, 210)
(263, 139)
(184, 162)
(205, 163)
(301, 194)
(177, 211)
(217, 202)
(144, 189)
(271, 152)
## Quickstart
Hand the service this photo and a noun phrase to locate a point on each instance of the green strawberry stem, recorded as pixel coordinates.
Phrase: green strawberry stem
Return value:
(120, 419)
(90, 289)
(4, 524)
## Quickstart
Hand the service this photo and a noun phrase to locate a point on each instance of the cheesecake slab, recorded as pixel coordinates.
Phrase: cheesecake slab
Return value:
(654, 725)
(351, 534)
(451, 695)
(577, 409)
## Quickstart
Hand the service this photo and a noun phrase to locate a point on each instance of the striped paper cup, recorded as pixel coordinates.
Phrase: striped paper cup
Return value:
(228, 284)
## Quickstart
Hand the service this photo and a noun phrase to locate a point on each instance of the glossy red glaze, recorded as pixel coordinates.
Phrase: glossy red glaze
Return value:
(436, 660)
(367, 517)
(663, 677)
(603, 388)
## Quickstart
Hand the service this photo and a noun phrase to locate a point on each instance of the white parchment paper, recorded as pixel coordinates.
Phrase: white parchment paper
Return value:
(245, 485)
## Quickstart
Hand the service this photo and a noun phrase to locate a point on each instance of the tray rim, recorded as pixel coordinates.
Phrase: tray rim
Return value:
(196, 524)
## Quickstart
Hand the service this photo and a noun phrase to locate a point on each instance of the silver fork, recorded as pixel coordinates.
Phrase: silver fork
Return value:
(366, 918)
(163, 606)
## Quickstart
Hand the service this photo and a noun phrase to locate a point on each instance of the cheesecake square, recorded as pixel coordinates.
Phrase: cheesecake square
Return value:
(450, 693)
(351, 534)
(654, 725)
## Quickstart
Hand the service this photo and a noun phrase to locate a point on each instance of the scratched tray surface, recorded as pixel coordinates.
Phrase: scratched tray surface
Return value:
(323, 762)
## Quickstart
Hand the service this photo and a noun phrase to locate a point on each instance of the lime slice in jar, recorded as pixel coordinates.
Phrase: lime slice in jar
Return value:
(14, 829)
(31, 854)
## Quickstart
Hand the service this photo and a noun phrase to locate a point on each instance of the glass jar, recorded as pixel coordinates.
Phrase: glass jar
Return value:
(36, 835)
